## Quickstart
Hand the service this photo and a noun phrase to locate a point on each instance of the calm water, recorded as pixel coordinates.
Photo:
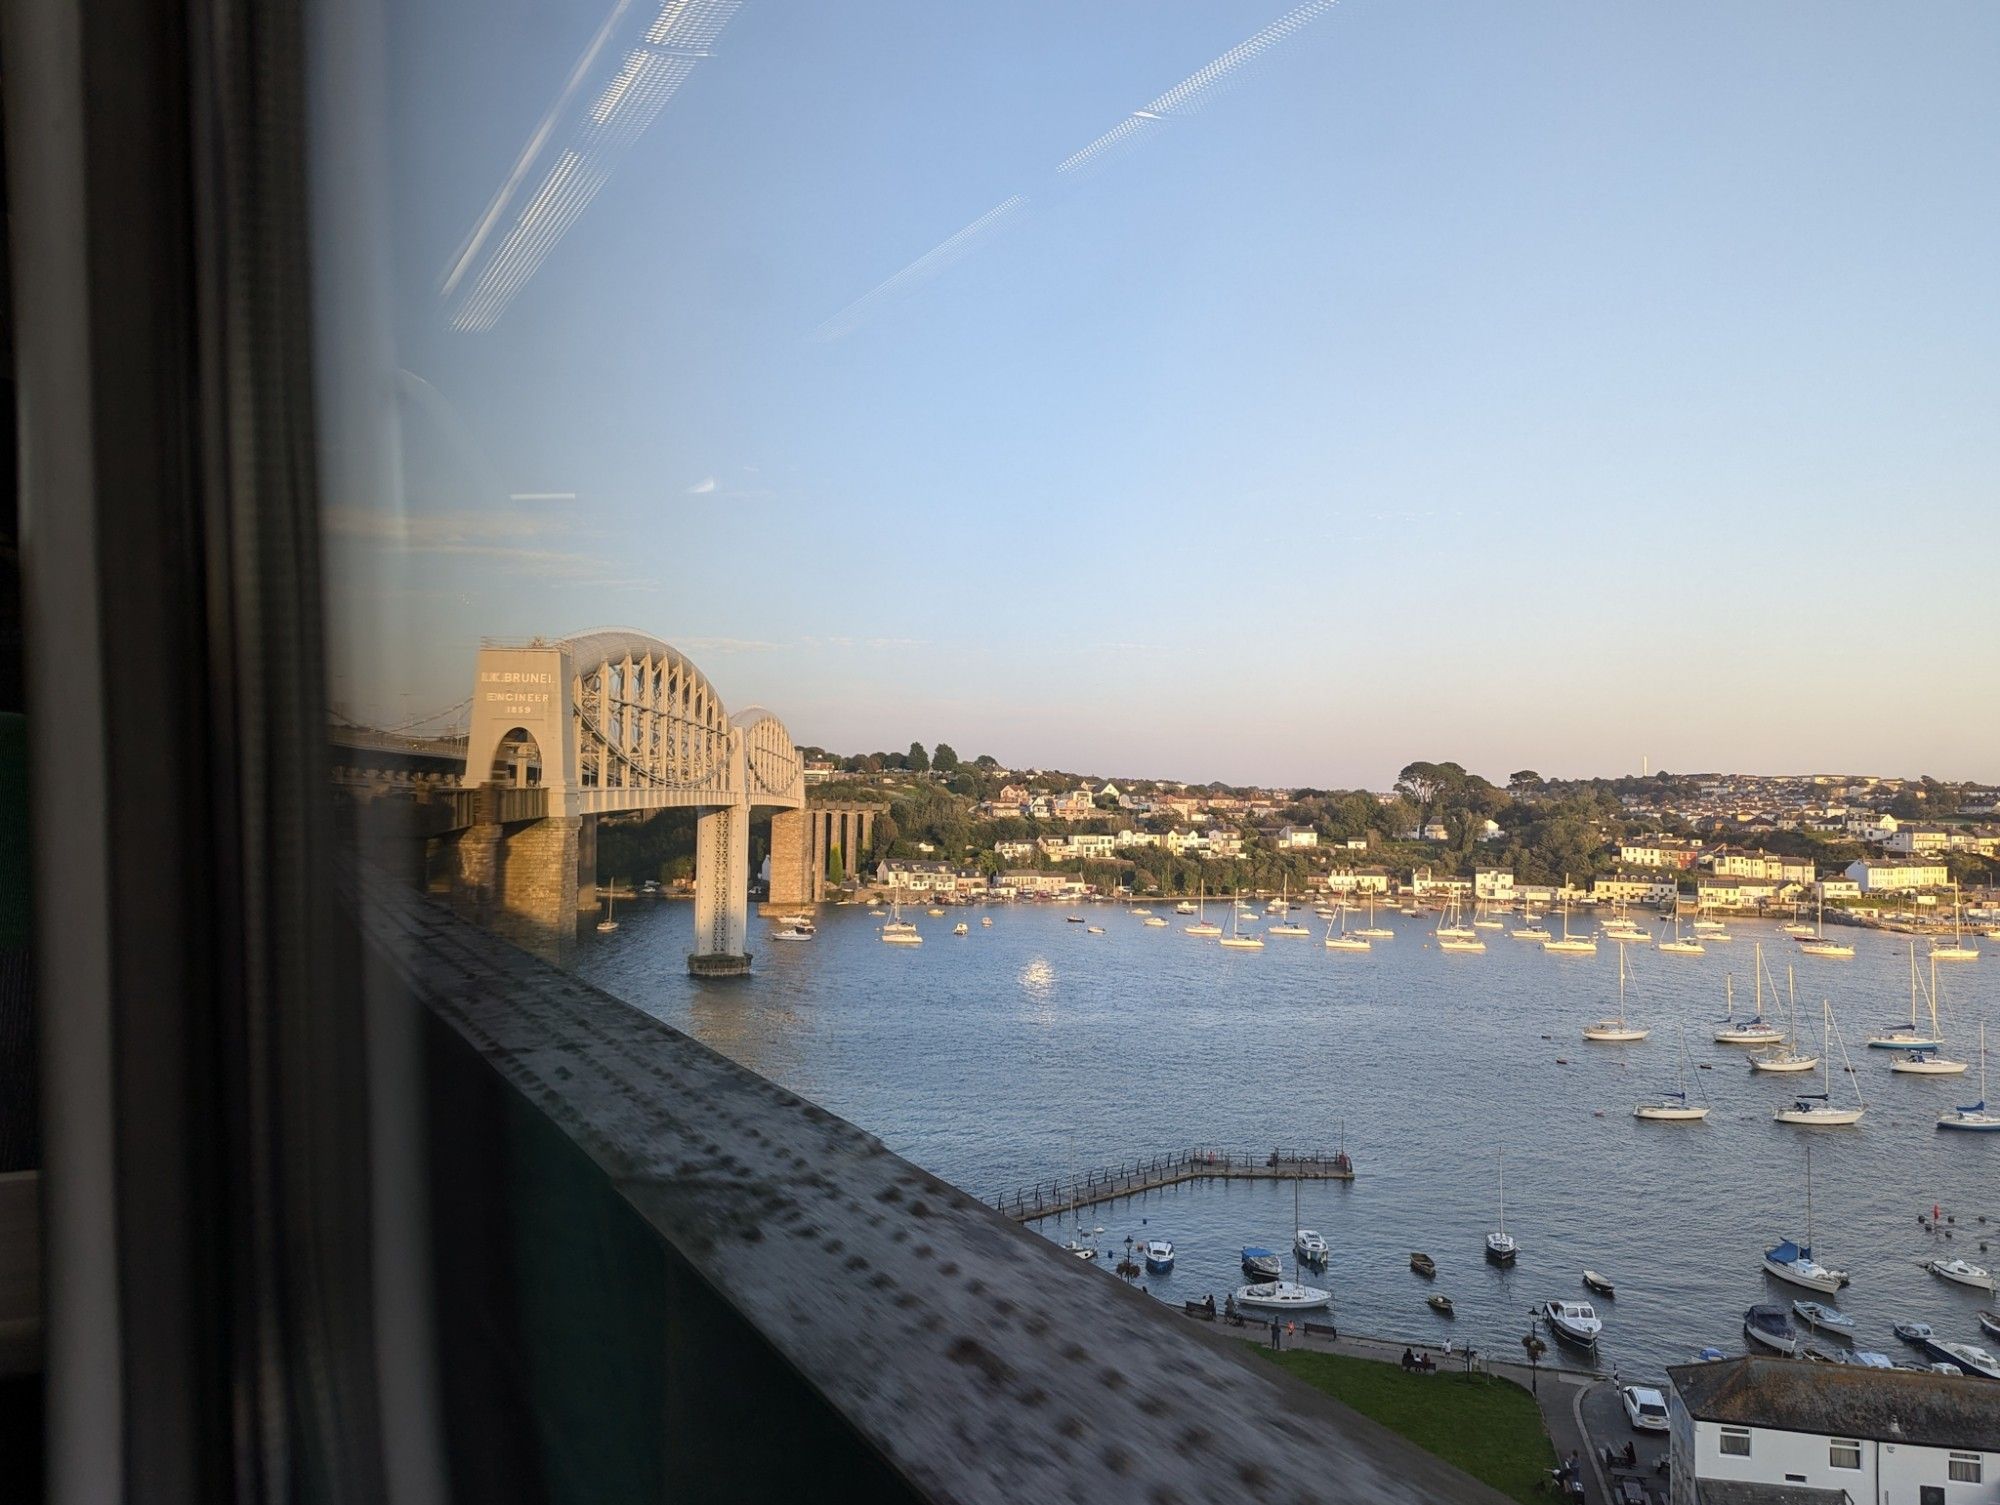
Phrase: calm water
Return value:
(1031, 1047)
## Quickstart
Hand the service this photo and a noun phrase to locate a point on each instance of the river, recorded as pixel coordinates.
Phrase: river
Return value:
(1029, 1048)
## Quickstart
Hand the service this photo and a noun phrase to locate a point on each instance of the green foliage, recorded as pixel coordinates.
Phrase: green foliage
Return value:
(660, 846)
(918, 761)
(1491, 1428)
(945, 759)
(836, 871)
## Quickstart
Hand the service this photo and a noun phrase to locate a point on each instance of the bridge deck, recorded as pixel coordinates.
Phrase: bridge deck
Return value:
(1050, 1199)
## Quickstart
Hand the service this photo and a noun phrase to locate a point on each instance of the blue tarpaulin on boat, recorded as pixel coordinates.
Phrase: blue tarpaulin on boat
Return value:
(1788, 1253)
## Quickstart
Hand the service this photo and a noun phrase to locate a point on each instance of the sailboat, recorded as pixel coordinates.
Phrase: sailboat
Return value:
(1819, 945)
(1343, 941)
(1452, 936)
(610, 921)
(1925, 1060)
(1236, 940)
(1957, 951)
(1202, 924)
(1792, 1260)
(1500, 1247)
(1911, 1036)
(1674, 1107)
(1790, 1058)
(1816, 1109)
(1616, 1031)
(1482, 920)
(899, 931)
(1681, 945)
(1567, 944)
(1287, 1295)
(1371, 931)
(1284, 907)
(1756, 1030)
(1974, 1119)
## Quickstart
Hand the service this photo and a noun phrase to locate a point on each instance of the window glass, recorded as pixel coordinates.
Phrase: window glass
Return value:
(1843, 1452)
(1736, 1442)
(1966, 1468)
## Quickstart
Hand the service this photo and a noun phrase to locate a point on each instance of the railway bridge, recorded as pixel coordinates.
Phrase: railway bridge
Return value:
(564, 731)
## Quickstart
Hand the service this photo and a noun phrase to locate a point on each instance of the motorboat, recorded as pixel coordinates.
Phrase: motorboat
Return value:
(901, 937)
(794, 932)
(1184, 908)
(1073, 919)
(1310, 1247)
(1962, 1272)
(1969, 1357)
(1574, 1322)
(1916, 1334)
(1159, 1255)
(1599, 1283)
(1157, 921)
(1093, 930)
(1079, 1250)
(961, 928)
(1989, 1322)
(1440, 1304)
(1141, 912)
(1770, 1326)
(1262, 1264)
(1823, 1318)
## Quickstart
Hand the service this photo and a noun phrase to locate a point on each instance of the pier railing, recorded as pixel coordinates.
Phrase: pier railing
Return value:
(1050, 1198)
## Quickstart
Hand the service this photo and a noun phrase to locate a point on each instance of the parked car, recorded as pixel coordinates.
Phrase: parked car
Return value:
(1645, 1408)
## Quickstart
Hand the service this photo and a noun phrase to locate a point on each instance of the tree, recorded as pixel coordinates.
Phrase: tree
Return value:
(986, 760)
(1525, 779)
(835, 872)
(919, 760)
(885, 833)
(945, 759)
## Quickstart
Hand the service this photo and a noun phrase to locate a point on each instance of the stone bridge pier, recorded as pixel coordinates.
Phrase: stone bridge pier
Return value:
(803, 843)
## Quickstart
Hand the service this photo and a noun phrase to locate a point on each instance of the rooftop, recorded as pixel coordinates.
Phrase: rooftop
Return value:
(1831, 1400)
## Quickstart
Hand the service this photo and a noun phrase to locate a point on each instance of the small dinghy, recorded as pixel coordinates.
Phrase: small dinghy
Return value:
(1915, 1333)
(1261, 1264)
(1770, 1326)
(1823, 1318)
(1599, 1283)
(1989, 1322)
(1439, 1304)
(1424, 1265)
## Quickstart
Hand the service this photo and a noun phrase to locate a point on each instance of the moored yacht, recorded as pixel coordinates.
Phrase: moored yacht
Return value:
(1310, 1247)
(1159, 1255)
(1817, 1109)
(1973, 1118)
(1962, 1272)
(1792, 1261)
(1756, 1030)
(1500, 1246)
(1616, 1031)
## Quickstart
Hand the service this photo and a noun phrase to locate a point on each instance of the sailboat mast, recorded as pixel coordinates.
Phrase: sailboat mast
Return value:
(1503, 1193)
(1809, 1237)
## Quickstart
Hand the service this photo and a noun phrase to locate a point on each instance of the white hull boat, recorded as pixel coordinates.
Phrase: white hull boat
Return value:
(1283, 1296)
(1962, 1272)
(1574, 1322)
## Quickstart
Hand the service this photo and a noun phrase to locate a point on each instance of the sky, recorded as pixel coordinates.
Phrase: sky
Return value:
(1560, 386)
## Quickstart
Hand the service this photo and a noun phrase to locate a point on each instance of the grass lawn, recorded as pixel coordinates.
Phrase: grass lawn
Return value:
(1491, 1428)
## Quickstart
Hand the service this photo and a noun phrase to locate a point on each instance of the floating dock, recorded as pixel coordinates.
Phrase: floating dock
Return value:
(1048, 1199)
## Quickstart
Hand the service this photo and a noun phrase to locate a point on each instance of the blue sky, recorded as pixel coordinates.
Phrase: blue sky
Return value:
(1552, 386)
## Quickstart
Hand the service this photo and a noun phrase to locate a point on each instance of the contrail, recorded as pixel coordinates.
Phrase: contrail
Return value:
(1185, 98)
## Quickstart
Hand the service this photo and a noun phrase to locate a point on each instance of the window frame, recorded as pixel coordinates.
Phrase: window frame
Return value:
(1834, 1445)
(1728, 1435)
(1976, 1462)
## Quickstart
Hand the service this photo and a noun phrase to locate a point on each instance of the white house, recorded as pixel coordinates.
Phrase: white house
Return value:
(1295, 837)
(916, 877)
(1751, 1430)
(1371, 880)
(1876, 875)
(1092, 846)
(1125, 839)
(1633, 888)
(1013, 851)
(1493, 883)
(1225, 844)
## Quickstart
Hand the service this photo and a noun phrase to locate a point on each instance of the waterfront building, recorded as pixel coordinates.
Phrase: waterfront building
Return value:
(1094, 846)
(1633, 888)
(1493, 884)
(1034, 883)
(1728, 862)
(1225, 843)
(916, 877)
(1834, 890)
(1366, 880)
(1756, 1430)
(1875, 875)
(1659, 851)
(1740, 893)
